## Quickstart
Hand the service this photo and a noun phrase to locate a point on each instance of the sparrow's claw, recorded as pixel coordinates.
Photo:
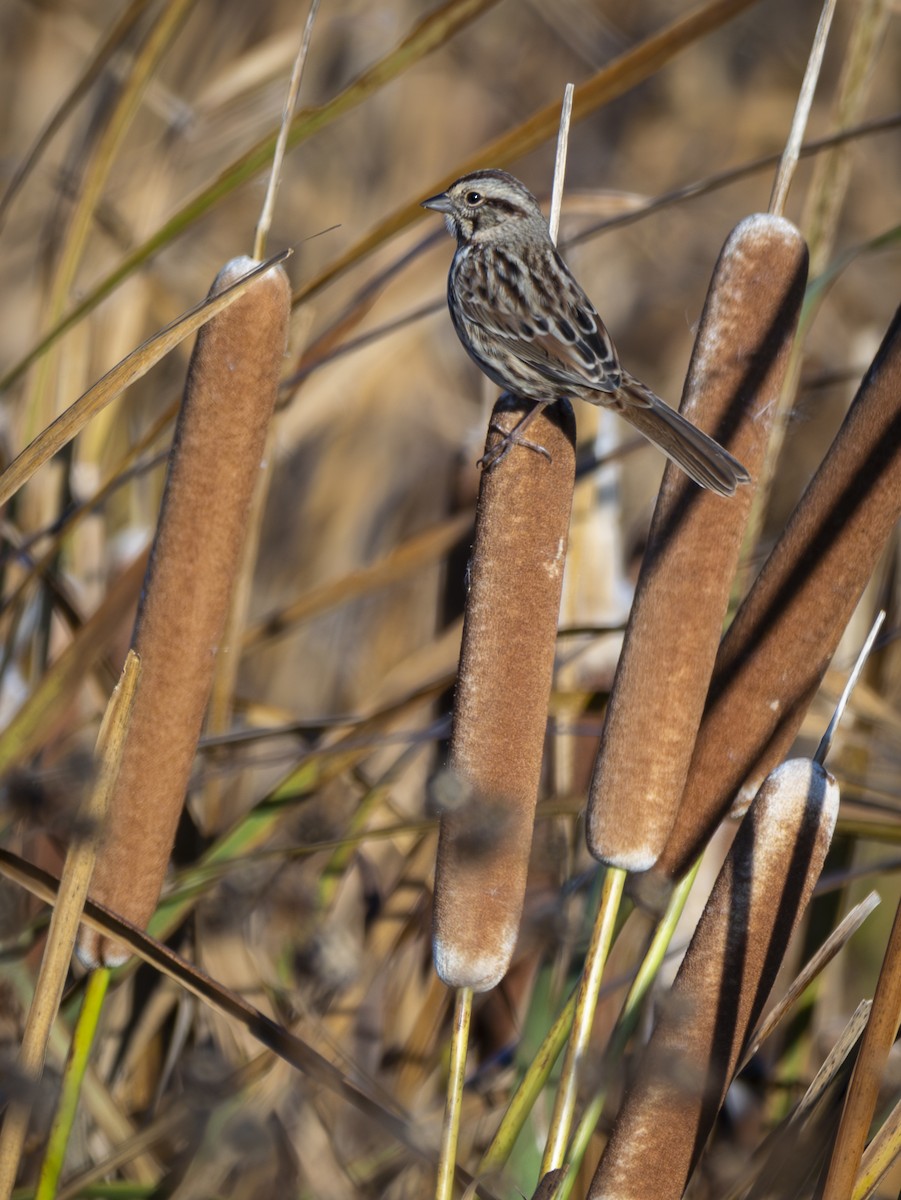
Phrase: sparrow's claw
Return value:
(502, 448)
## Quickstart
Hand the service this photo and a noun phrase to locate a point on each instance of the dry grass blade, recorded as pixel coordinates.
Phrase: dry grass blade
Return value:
(278, 1039)
(789, 160)
(613, 80)
(35, 722)
(836, 941)
(831, 175)
(115, 123)
(832, 171)
(843, 700)
(278, 155)
(836, 1058)
(430, 33)
(787, 1163)
(112, 41)
(560, 162)
(412, 555)
(879, 1156)
(73, 889)
(860, 1104)
(115, 381)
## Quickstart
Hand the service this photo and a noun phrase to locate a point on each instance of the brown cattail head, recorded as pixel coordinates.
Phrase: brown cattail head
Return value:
(721, 987)
(774, 655)
(500, 708)
(737, 368)
(219, 443)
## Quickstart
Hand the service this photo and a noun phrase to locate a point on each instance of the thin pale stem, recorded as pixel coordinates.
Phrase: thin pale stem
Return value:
(586, 1003)
(450, 1131)
(515, 435)
(528, 1091)
(647, 972)
(625, 1025)
(281, 144)
(789, 161)
(541, 1066)
(826, 741)
(560, 162)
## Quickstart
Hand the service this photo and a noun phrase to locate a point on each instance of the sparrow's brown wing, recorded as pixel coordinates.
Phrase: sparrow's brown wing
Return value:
(539, 312)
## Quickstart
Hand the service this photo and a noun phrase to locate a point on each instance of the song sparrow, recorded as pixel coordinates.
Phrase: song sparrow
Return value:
(526, 322)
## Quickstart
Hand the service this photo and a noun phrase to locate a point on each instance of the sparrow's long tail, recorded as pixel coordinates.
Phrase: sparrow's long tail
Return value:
(699, 456)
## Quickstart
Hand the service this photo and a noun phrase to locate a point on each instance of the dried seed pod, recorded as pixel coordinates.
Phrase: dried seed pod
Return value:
(500, 709)
(721, 987)
(219, 442)
(774, 655)
(737, 368)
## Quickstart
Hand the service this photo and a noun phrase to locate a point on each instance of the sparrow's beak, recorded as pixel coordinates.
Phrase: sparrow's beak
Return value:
(440, 203)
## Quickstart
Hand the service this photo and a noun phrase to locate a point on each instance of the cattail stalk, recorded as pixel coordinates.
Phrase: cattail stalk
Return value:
(219, 443)
(444, 1187)
(722, 986)
(775, 653)
(500, 709)
(739, 361)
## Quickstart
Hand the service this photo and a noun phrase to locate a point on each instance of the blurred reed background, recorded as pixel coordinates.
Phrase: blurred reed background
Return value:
(321, 917)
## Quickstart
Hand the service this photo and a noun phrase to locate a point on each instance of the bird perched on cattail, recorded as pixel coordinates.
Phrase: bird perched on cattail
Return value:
(527, 323)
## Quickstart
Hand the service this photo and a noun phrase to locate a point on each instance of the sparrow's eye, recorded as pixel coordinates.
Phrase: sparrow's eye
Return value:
(473, 198)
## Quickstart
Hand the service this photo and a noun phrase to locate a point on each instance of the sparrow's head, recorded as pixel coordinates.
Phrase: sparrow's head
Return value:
(488, 206)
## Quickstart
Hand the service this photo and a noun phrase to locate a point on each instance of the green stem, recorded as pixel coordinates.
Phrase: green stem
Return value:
(82, 1040)
(626, 1023)
(583, 1018)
